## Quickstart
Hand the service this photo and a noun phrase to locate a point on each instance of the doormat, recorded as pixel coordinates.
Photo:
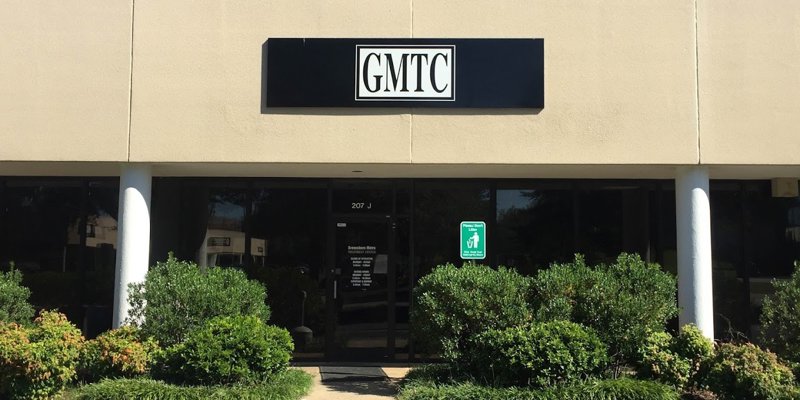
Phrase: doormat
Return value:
(351, 374)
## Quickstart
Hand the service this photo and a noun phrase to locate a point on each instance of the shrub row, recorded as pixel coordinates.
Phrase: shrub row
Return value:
(451, 305)
(748, 372)
(288, 385)
(211, 339)
(227, 350)
(617, 389)
(177, 297)
(537, 355)
(38, 362)
(498, 328)
(117, 353)
(622, 303)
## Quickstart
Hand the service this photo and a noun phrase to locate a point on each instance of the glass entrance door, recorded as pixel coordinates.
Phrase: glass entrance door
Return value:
(362, 288)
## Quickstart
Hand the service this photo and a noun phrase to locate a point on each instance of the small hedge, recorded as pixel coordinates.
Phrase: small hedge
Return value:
(678, 360)
(623, 302)
(288, 385)
(227, 350)
(617, 389)
(117, 353)
(177, 297)
(452, 304)
(38, 362)
(538, 355)
(748, 372)
(780, 319)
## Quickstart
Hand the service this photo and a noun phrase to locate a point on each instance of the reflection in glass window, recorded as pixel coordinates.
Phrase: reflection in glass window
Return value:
(771, 224)
(224, 241)
(37, 222)
(289, 236)
(600, 220)
(438, 212)
(100, 252)
(534, 228)
(403, 285)
(62, 236)
(101, 227)
(663, 214)
(728, 264)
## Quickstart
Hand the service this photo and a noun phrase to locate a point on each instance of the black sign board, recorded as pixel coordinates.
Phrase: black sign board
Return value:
(455, 73)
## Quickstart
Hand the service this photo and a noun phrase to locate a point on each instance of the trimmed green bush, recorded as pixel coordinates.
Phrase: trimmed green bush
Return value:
(289, 385)
(616, 389)
(659, 362)
(679, 360)
(177, 297)
(14, 306)
(116, 354)
(38, 362)
(453, 304)
(227, 350)
(748, 372)
(624, 302)
(538, 355)
(780, 318)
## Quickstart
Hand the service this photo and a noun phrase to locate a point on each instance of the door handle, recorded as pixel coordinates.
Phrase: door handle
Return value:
(335, 281)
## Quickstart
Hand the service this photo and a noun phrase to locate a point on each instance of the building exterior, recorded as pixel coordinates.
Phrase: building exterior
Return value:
(669, 129)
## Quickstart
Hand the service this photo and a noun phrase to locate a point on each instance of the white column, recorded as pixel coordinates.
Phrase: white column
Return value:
(693, 212)
(133, 234)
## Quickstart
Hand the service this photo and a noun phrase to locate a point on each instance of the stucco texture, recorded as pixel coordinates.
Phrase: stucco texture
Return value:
(64, 80)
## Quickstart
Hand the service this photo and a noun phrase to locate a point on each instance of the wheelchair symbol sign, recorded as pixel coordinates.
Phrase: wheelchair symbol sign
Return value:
(473, 240)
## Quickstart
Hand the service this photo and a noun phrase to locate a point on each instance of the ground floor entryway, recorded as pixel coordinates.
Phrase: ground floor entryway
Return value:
(340, 257)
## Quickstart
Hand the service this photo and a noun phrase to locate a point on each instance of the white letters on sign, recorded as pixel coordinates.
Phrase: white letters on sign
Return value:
(397, 73)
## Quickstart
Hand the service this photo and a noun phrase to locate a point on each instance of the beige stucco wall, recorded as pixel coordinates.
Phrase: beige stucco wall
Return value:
(623, 83)
(749, 63)
(197, 83)
(64, 80)
(620, 80)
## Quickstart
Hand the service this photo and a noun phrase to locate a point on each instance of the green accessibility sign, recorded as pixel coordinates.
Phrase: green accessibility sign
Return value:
(473, 240)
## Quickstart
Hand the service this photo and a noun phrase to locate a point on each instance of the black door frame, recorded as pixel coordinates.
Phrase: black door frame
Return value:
(331, 350)
(389, 218)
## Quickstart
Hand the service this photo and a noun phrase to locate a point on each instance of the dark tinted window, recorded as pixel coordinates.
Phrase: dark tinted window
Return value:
(438, 212)
(534, 228)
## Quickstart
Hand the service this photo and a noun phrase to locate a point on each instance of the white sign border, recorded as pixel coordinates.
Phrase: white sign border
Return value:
(389, 99)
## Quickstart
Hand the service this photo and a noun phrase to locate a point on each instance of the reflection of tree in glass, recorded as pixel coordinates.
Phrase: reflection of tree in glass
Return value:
(226, 209)
(437, 215)
(285, 286)
(535, 230)
(292, 221)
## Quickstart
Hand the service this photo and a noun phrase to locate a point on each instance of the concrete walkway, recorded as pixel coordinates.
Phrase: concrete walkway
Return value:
(347, 388)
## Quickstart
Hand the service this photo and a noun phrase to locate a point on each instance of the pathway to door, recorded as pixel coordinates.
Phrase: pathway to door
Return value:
(354, 382)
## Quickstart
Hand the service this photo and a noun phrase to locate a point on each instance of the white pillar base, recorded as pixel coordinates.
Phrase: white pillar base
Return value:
(693, 213)
(133, 235)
